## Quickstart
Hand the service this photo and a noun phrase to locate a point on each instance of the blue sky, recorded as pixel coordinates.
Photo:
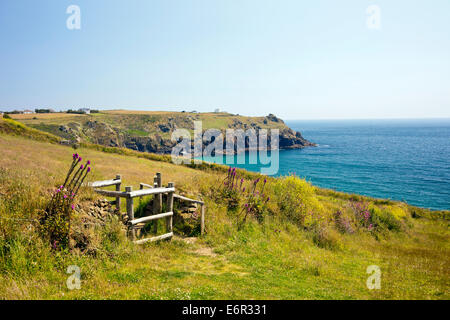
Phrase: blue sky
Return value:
(297, 59)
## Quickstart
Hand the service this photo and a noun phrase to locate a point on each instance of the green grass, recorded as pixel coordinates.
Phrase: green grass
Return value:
(292, 254)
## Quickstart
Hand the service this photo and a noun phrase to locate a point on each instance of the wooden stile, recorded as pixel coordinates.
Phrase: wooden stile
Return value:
(157, 191)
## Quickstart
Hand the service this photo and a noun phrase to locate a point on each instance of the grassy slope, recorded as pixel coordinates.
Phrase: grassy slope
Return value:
(274, 260)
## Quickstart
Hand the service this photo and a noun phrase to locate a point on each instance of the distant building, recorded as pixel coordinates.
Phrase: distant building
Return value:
(28, 111)
(85, 110)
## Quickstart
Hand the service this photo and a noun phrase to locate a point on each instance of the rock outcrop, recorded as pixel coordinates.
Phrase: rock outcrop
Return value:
(151, 134)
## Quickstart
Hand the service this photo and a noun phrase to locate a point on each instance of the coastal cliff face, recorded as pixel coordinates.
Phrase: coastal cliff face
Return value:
(152, 131)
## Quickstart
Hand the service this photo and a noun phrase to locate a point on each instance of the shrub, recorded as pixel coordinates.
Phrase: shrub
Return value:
(384, 219)
(55, 219)
(237, 192)
(342, 222)
(362, 215)
(297, 201)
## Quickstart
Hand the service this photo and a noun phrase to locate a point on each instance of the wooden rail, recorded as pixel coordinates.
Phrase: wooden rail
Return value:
(106, 183)
(150, 218)
(157, 190)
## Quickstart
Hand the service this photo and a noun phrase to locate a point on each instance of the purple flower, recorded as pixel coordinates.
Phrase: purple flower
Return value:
(65, 196)
(88, 162)
(81, 167)
(265, 180)
(73, 206)
(89, 169)
(79, 159)
(243, 190)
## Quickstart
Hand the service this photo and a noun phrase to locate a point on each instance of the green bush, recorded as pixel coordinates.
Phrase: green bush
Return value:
(384, 219)
(297, 201)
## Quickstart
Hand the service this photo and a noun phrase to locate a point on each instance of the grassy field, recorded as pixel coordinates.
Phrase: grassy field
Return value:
(298, 250)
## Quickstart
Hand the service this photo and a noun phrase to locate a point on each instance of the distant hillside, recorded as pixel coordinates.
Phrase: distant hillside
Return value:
(151, 131)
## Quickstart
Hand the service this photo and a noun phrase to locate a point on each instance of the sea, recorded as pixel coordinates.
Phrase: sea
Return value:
(407, 160)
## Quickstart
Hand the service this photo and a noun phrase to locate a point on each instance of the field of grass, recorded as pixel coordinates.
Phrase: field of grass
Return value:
(297, 251)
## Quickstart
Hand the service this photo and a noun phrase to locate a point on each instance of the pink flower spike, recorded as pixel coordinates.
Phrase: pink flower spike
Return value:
(65, 196)
(73, 206)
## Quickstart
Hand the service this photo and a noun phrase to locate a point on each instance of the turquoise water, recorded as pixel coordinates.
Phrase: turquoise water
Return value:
(397, 159)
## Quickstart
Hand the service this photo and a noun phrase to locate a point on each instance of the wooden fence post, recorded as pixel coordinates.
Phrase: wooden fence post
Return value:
(130, 211)
(169, 220)
(159, 181)
(202, 220)
(118, 177)
(156, 207)
(140, 198)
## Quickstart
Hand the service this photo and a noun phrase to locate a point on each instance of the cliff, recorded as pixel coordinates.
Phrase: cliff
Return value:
(152, 131)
